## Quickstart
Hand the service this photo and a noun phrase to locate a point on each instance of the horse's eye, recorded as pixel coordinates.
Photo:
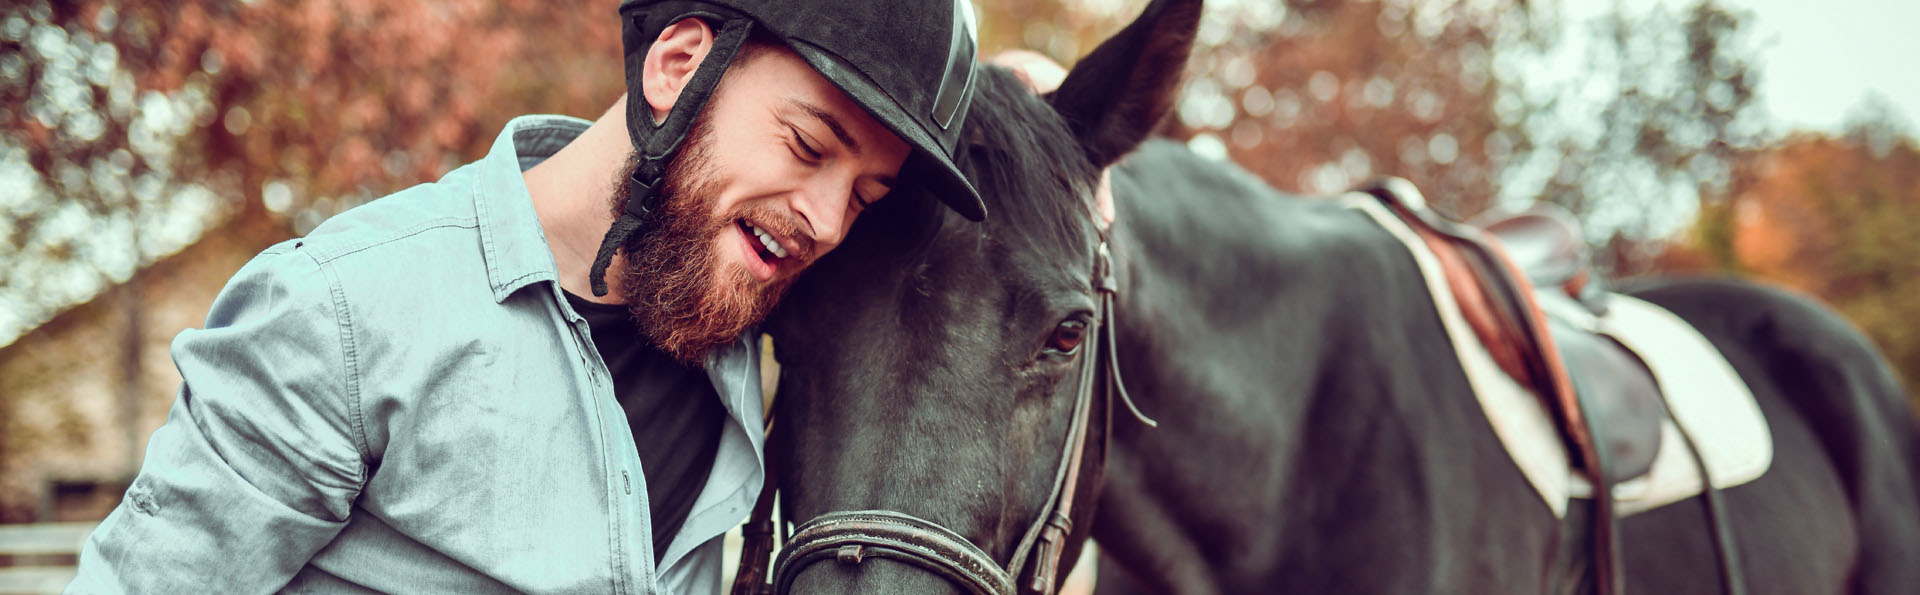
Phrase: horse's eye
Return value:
(1068, 336)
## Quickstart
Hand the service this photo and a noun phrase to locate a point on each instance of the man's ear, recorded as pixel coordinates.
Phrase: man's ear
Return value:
(671, 62)
(1118, 94)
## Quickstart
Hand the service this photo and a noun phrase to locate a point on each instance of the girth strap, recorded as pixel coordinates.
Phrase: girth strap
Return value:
(756, 548)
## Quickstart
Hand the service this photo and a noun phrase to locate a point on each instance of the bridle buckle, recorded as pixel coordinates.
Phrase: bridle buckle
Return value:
(850, 554)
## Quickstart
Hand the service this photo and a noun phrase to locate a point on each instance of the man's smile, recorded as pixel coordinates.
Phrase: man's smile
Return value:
(766, 250)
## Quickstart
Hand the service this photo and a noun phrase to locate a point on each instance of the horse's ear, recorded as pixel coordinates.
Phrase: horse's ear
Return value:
(1118, 94)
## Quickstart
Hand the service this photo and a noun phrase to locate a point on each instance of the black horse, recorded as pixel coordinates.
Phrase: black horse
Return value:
(1314, 433)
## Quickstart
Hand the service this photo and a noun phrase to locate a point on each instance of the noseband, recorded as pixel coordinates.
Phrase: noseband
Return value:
(851, 537)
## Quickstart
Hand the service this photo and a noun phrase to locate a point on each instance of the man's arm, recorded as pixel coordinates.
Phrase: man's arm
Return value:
(261, 456)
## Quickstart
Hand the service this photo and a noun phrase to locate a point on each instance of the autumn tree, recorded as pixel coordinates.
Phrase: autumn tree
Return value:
(150, 121)
(1833, 216)
(1676, 105)
(1317, 96)
(126, 129)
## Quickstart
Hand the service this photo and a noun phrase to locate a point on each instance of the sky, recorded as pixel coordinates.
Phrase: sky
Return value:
(1819, 59)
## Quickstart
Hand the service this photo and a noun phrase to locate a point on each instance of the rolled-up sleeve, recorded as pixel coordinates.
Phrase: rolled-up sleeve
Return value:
(262, 454)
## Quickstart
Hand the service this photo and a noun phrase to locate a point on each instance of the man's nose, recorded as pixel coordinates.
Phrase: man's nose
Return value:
(822, 202)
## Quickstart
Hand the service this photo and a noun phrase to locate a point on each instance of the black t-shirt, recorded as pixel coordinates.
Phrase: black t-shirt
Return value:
(675, 414)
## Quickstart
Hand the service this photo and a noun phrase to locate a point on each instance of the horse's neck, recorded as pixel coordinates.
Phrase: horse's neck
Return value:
(1228, 299)
(1275, 340)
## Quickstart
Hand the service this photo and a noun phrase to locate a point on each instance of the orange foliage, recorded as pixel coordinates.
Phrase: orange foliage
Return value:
(1359, 92)
(1834, 216)
(1813, 200)
(356, 98)
(1318, 96)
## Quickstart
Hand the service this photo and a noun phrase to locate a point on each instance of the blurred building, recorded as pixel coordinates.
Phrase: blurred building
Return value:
(84, 390)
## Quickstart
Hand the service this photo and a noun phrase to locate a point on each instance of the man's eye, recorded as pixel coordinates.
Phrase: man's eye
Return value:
(806, 151)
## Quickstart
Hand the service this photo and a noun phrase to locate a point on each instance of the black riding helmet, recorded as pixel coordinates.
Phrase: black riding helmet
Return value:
(908, 63)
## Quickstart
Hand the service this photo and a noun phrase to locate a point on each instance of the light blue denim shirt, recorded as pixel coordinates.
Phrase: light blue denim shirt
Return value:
(403, 401)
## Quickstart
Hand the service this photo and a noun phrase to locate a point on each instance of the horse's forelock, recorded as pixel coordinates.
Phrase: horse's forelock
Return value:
(1029, 169)
(1032, 174)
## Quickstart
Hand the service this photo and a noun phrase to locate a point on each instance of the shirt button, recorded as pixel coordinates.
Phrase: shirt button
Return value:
(625, 483)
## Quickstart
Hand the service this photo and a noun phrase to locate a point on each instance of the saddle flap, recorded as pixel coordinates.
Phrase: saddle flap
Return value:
(1619, 394)
(1709, 401)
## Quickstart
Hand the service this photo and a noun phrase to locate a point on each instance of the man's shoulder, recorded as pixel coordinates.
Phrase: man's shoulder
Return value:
(399, 221)
(408, 251)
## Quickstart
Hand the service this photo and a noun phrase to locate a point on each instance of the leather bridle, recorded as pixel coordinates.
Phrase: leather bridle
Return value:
(850, 537)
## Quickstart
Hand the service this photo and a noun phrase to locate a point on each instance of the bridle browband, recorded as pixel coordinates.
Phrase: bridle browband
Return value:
(851, 537)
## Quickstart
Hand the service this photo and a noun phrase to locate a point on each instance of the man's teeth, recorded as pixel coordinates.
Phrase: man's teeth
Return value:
(766, 239)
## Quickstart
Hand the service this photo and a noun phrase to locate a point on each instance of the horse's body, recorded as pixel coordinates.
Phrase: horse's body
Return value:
(1316, 434)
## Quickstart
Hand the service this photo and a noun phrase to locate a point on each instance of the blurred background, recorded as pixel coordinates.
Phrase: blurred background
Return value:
(148, 149)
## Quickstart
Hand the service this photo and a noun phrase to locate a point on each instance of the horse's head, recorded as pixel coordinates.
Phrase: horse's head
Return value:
(931, 366)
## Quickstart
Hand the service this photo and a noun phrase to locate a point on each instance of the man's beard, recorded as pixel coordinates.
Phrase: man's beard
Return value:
(670, 278)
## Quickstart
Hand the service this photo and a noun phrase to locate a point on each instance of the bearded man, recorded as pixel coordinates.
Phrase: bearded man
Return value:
(539, 373)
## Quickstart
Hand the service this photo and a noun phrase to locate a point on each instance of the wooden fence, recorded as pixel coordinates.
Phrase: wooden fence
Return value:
(40, 557)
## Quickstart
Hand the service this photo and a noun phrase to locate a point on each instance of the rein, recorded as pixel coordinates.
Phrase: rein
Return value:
(851, 537)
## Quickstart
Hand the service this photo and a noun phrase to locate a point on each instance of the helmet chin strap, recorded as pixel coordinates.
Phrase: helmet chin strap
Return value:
(656, 143)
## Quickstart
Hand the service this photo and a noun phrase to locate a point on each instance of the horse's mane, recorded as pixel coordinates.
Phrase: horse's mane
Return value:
(1029, 169)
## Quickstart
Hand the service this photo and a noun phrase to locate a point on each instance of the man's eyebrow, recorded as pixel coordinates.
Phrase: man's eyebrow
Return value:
(832, 123)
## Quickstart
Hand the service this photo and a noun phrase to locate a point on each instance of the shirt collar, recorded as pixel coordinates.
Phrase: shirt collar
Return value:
(511, 240)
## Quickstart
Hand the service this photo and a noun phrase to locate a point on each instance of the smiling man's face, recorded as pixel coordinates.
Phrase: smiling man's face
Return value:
(779, 165)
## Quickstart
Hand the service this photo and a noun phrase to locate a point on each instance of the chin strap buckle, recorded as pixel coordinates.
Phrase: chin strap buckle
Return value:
(642, 204)
(644, 198)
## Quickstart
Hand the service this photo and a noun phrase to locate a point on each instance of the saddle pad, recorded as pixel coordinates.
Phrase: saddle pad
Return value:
(1704, 393)
(1706, 397)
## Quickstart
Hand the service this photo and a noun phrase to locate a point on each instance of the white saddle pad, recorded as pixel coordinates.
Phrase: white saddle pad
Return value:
(1704, 393)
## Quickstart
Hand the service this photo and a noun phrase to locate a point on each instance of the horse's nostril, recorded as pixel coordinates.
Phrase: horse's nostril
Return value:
(851, 554)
